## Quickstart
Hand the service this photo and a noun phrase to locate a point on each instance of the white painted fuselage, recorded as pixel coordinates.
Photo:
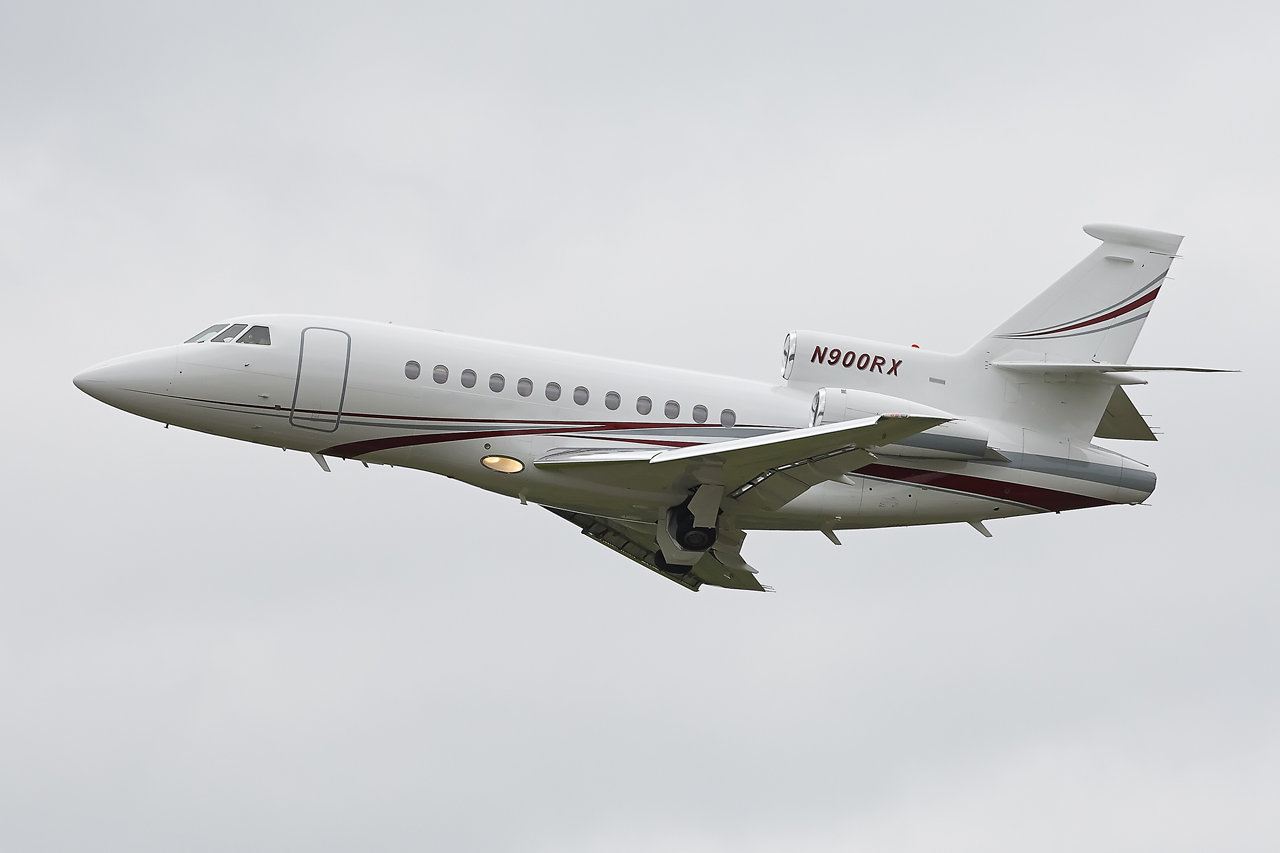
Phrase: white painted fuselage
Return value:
(670, 467)
(381, 416)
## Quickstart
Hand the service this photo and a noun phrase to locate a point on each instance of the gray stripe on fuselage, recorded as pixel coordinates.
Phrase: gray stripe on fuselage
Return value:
(1076, 469)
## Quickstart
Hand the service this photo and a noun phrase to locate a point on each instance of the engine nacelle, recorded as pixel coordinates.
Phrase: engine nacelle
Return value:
(821, 358)
(956, 439)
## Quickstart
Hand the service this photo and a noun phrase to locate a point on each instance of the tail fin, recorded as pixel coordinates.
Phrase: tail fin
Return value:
(1096, 311)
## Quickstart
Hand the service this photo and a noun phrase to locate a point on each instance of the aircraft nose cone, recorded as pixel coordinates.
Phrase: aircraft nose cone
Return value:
(88, 380)
(128, 382)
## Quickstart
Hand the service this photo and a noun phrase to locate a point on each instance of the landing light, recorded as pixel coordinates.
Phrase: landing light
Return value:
(505, 464)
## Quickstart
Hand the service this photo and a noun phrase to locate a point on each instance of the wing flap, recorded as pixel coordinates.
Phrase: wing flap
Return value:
(777, 487)
(637, 542)
(717, 570)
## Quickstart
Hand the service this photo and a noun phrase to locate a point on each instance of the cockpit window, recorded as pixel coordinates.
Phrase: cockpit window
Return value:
(206, 334)
(229, 334)
(256, 335)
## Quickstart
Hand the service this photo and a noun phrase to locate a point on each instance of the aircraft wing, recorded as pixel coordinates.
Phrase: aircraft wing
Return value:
(743, 463)
(722, 566)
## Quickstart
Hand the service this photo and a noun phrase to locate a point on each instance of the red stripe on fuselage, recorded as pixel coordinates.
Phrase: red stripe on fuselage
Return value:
(373, 445)
(1046, 499)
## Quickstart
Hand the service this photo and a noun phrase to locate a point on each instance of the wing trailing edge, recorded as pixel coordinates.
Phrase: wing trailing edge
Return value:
(722, 566)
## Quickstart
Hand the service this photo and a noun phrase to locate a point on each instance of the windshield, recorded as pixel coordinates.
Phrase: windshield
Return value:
(206, 334)
(222, 333)
(229, 333)
(257, 335)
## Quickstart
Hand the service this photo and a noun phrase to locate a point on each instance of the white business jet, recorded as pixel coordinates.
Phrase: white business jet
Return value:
(672, 467)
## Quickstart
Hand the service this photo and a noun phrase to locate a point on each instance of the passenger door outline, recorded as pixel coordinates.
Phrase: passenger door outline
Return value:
(321, 416)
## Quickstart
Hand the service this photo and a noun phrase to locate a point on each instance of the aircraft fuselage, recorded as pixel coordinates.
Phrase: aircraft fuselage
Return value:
(390, 395)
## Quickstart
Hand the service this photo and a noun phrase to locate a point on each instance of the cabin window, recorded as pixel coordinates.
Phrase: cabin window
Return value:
(700, 413)
(440, 374)
(412, 369)
(728, 418)
(229, 333)
(524, 387)
(206, 334)
(259, 335)
(497, 383)
(672, 409)
(612, 400)
(644, 405)
(581, 395)
(553, 391)
(468, 378)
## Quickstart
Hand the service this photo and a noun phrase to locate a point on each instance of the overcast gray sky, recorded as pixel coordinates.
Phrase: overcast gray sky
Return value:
(213, 646)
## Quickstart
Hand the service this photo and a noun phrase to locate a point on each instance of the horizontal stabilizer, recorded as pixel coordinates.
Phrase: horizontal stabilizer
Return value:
(1082, 329)
(1091, 367)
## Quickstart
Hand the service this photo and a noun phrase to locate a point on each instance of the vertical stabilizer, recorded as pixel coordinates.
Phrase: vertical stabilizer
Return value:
(1096, 311)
